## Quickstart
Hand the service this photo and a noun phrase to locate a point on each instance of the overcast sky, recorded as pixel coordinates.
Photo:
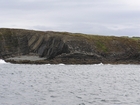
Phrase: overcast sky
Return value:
(104, 17)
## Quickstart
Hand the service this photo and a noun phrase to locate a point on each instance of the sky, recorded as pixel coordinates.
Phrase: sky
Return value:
(101, 17)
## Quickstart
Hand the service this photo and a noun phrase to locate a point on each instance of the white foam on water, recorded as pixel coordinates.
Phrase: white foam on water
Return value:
(100, 64)
(2, 61)
(61, 64)
(48, 64)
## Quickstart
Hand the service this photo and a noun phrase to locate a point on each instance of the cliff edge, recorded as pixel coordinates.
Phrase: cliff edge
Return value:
(67, 48)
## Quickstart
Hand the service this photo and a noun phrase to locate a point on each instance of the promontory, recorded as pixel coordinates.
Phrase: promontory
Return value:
(43, 47)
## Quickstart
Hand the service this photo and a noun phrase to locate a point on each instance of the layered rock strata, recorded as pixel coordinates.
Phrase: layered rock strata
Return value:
(67, 48)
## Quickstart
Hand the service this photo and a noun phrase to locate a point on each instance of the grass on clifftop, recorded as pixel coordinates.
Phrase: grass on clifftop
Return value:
(136, 38)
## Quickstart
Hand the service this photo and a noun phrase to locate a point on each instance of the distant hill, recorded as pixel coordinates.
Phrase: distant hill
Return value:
(67, 48)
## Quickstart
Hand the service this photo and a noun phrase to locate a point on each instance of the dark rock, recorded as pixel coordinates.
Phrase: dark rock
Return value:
(53, 47)
(23, 45)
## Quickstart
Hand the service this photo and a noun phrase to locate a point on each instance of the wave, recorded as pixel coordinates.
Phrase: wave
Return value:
(2, 61)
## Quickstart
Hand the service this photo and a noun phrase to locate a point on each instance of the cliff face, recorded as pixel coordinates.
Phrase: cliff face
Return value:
(63, 47)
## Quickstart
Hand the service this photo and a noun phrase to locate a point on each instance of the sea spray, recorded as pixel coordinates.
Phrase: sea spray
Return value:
(2, 61)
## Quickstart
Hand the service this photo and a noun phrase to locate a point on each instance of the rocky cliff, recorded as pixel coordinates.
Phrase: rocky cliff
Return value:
(68, 48)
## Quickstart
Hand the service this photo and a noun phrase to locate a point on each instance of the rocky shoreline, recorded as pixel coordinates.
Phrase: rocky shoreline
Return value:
(37, 60)
(38, 47)
(72, 61)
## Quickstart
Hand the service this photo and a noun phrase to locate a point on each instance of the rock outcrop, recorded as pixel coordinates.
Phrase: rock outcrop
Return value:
(68, 48)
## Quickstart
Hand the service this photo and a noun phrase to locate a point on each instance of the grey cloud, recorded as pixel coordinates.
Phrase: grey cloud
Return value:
(92, 16)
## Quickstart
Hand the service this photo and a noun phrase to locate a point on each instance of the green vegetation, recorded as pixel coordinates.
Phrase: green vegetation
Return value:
(101, 46)
(136, 38)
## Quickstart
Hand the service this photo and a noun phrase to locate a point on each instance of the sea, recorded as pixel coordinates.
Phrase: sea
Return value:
(97, 84)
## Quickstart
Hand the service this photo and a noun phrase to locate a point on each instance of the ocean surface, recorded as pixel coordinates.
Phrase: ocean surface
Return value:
(69, 84)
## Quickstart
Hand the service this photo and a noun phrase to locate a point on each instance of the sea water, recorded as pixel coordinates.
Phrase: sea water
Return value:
(100, 84)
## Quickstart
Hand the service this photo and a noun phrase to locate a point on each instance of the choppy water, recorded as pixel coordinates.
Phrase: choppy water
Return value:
(69, 84)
